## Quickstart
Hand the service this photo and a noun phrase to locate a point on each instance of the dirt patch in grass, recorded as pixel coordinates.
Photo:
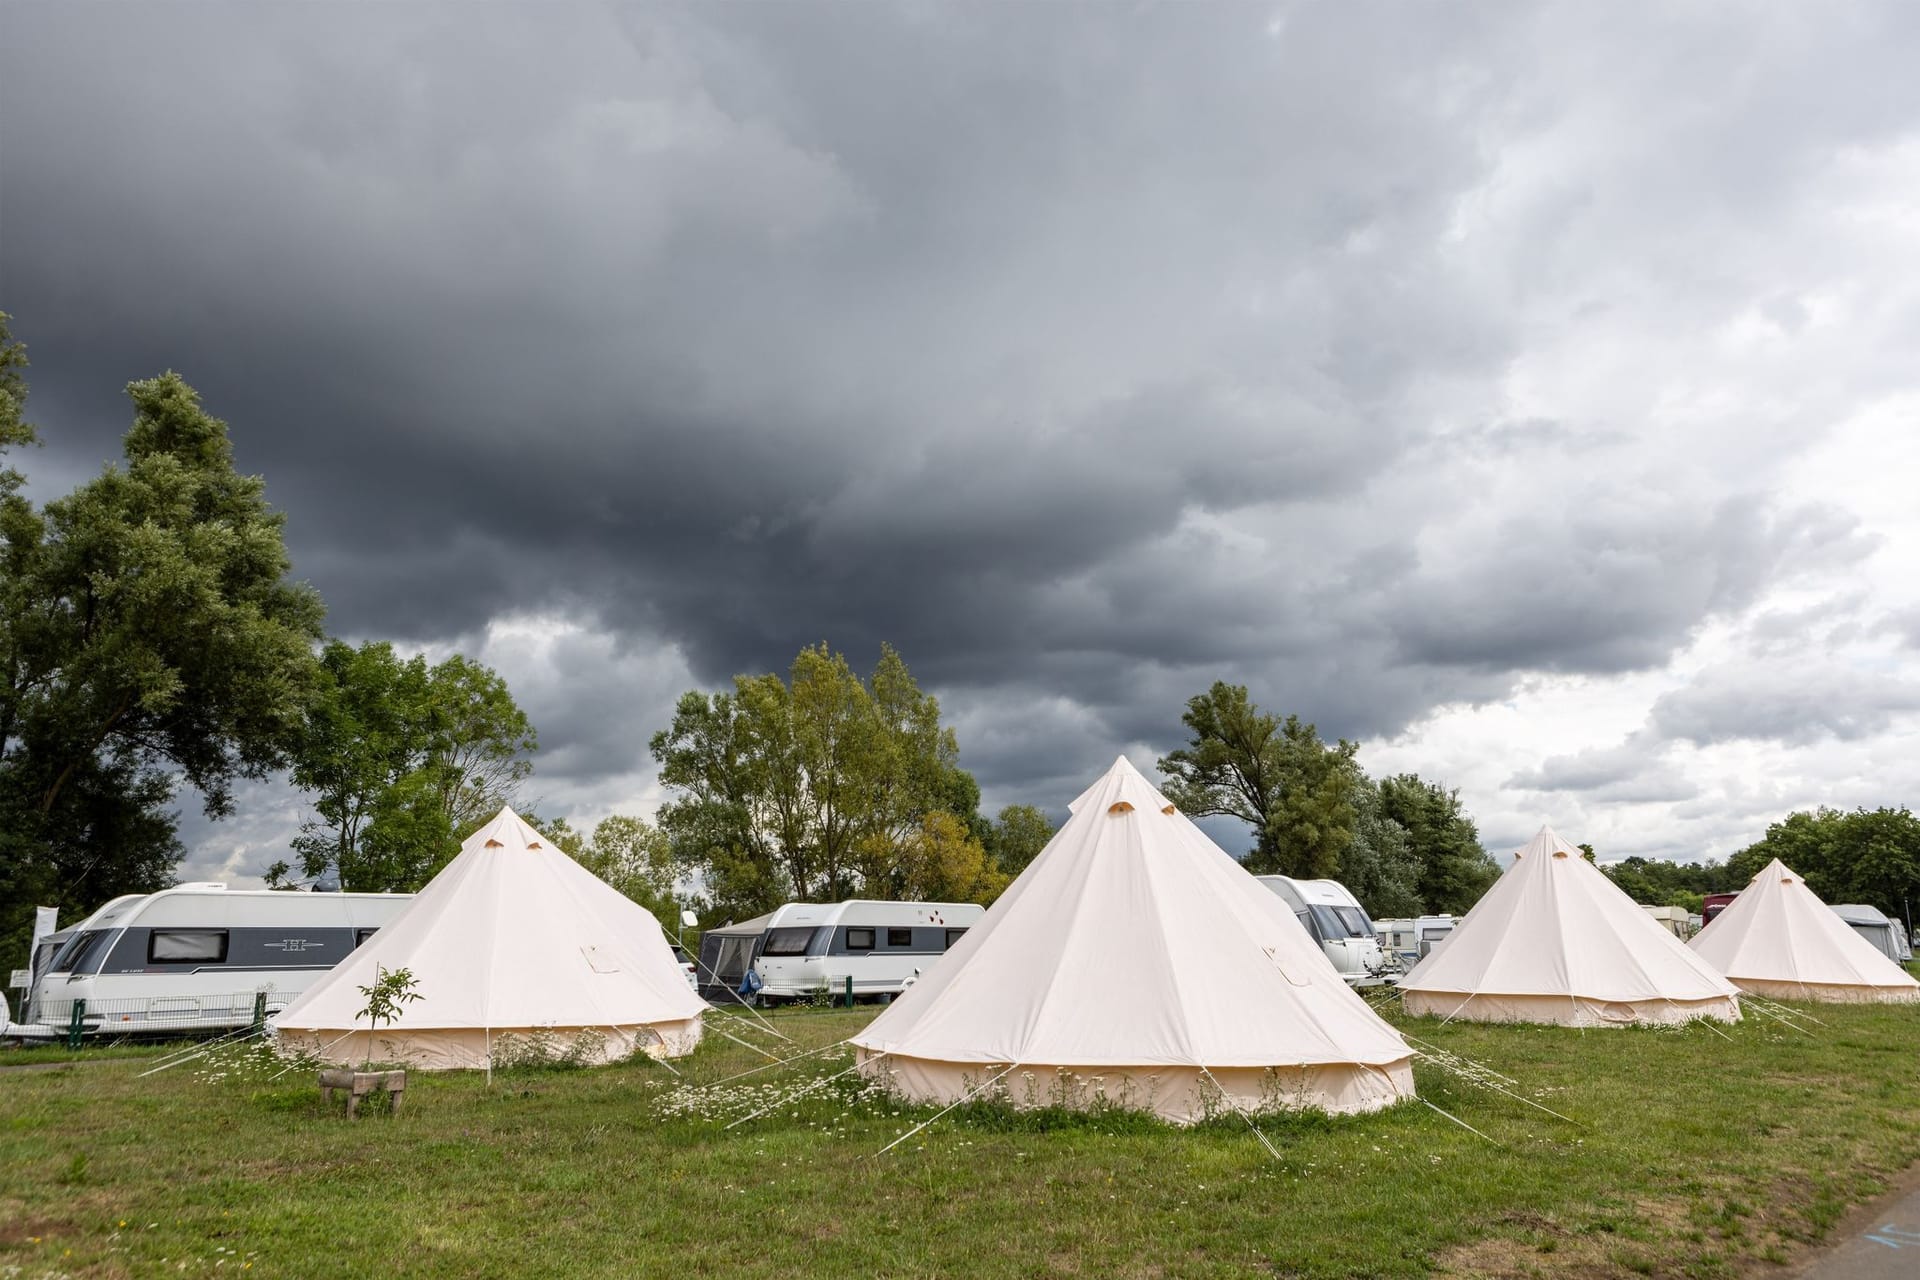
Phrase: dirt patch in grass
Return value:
(36, 1229)
(1507, 1258)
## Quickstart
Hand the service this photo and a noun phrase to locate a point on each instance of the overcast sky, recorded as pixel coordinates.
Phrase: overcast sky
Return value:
(1526, 391)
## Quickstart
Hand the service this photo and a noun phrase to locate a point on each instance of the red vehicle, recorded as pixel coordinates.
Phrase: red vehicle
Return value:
(1713, 904)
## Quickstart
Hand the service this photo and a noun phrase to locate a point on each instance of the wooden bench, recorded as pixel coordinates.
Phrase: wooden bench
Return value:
(358, 1084)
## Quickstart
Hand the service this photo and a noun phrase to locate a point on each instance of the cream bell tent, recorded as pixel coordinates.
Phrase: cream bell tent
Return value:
(1136, 961)
(1778, 939)
(1555, 941)
(513, 937)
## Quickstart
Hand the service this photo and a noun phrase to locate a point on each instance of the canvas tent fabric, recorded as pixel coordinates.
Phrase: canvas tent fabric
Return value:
(1555, 941)
(512, 939)
(1777, 939)
(1135, 961)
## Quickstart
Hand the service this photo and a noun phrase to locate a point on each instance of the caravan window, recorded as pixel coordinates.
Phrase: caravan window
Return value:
(85, 952)
(187, 946)
(786, 942)
(859, 939)
(899, 937)
(953, 936)
(1341, 922)
(360, 936)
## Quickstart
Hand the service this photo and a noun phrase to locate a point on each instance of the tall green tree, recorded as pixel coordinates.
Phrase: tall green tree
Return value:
(941, 860)
(1454, 869)
(812, 787)
(482, 743)
(151, 636)
(1017, 836)
(1275, 775)
(402, 758)
(1379, 864)
(362, 737)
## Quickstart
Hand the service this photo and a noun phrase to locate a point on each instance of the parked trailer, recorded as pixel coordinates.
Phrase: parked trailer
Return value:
(197, 957)
(1675, 920)
(1408, 940)
(1713, 904)
(1888, 938)
(1396, 938)
(882, 947)
(1334, 918)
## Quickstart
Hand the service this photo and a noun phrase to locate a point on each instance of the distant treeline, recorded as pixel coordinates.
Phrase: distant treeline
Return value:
(1870, 856)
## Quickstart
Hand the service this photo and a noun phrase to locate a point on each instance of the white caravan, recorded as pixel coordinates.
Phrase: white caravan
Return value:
(883, 947)
(1396, 937)
(1675, 920)
(1407, 941)
(194, 957)
(1334, 918)
(1430, 932)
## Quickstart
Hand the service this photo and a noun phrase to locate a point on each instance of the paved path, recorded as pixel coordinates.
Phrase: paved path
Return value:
(1880, 1241)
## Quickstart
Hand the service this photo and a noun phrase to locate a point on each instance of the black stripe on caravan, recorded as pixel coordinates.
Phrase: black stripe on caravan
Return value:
(250, 948)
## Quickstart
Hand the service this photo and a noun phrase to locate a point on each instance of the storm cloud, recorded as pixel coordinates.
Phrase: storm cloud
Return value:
(1410, 366)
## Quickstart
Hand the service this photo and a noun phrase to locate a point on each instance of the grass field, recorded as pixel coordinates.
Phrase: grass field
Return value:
(1694, 1155)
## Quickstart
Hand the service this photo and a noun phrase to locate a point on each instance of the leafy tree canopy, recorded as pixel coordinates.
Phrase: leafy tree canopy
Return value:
(1381, 865)
(1274, 774)
(1403, 845)
(402, 760)
(1870, 856)
(1454, 869)
(818, 786)
(150, 634)
(1017, 836)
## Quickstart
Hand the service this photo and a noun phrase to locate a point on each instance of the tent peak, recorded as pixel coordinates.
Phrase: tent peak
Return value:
(1122, 784)
(1546, 840)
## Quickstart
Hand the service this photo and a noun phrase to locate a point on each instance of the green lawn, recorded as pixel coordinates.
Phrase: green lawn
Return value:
(1695, 1155)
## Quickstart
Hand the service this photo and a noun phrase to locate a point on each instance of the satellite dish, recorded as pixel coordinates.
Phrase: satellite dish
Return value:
(689, 920)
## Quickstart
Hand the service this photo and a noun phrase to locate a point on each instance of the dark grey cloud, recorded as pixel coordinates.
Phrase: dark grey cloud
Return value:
(1576, 589)
(1795, 703)
(1085, 355)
